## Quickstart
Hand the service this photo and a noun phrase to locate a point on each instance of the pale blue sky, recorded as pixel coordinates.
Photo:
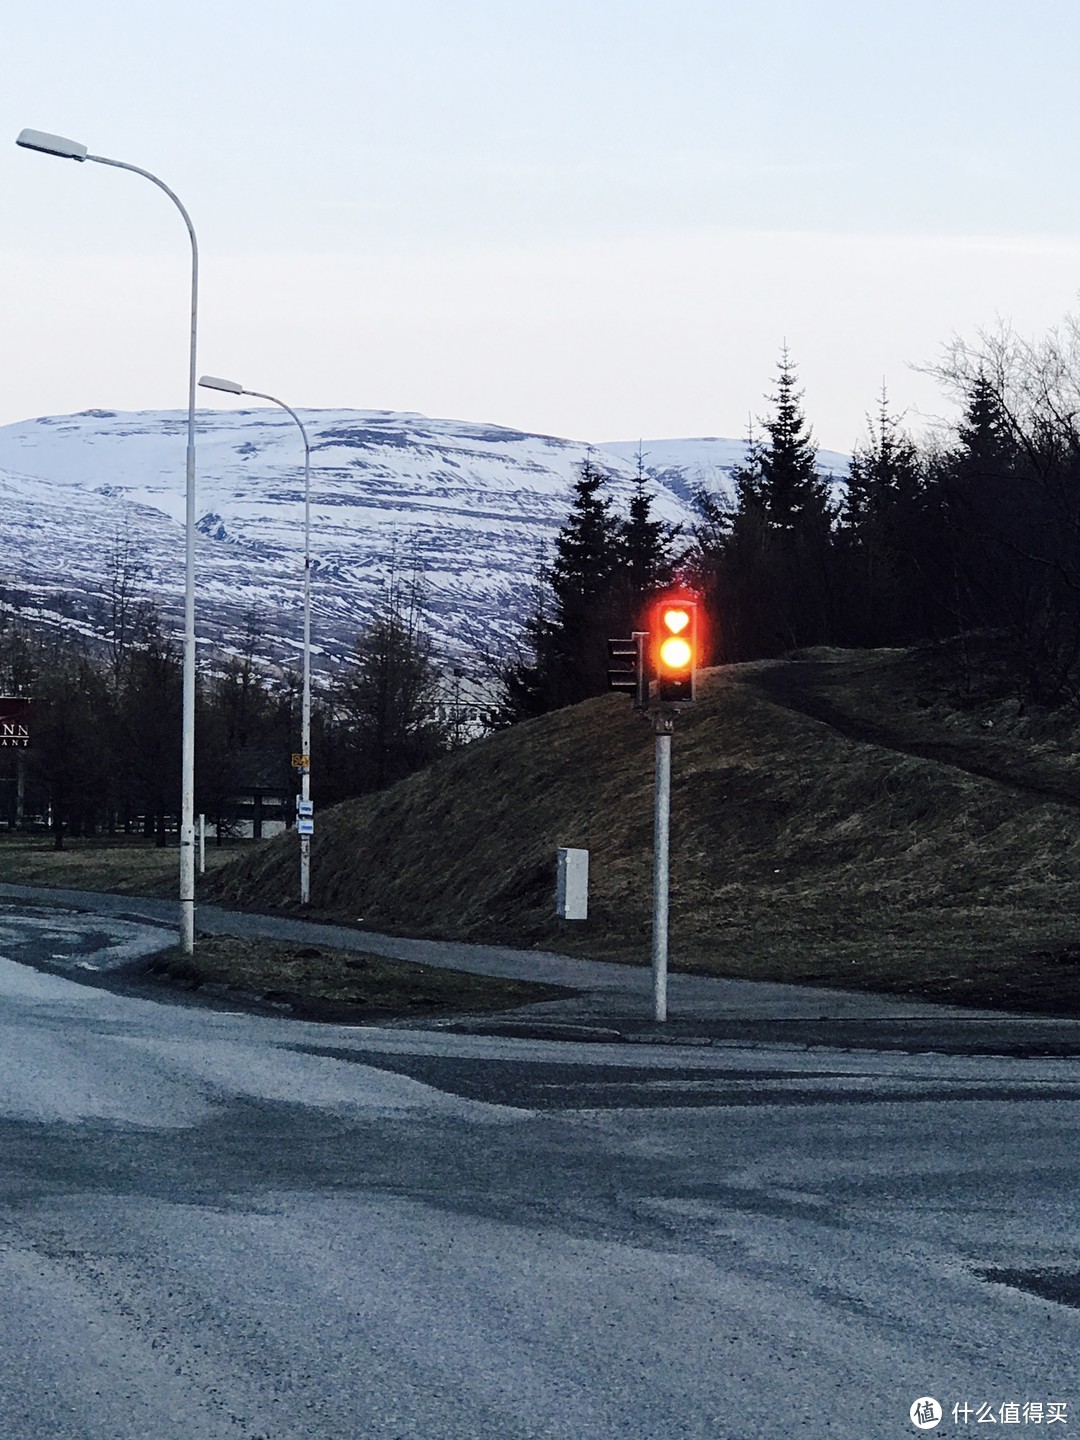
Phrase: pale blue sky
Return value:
(598, 218)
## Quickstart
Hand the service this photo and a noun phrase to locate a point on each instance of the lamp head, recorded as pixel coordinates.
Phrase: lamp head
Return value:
(51, 144)
(213, 382)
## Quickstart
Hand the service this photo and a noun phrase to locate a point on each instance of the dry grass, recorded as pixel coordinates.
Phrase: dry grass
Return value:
(866, 819)
(313, 981)
(801, 849)
(320, 983)
(123, 865)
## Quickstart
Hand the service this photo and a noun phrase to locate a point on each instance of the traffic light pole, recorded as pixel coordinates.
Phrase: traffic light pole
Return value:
(672, 659)
(664, 728)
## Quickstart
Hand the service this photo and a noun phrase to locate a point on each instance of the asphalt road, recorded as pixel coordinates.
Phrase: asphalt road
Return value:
(227, 1225)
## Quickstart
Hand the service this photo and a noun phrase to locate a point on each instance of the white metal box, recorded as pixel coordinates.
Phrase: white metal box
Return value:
(572, 885)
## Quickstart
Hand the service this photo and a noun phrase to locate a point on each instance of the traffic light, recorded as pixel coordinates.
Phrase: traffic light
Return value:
(628, 670)
(675, 649)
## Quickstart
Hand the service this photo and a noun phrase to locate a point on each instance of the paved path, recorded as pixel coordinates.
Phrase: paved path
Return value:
(615, 1001)
(700, 995)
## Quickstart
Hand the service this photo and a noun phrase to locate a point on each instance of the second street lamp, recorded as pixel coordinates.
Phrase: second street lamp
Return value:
(71, 150)
(230, 387)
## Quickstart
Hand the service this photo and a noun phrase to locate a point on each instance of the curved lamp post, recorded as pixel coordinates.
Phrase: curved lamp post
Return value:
(72, 150)
(212, 382)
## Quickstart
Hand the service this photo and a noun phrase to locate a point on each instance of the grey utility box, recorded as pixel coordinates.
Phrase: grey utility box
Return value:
(572, 885)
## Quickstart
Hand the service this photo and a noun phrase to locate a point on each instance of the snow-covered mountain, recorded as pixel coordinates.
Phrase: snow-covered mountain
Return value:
(469, 505)
(686, 466)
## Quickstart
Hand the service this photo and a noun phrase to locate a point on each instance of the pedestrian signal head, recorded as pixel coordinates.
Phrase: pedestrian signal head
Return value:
(627, 669)
(676, 658)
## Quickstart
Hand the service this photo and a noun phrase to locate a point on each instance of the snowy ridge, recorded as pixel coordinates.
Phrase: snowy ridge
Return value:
(470, 505)
(687, 466)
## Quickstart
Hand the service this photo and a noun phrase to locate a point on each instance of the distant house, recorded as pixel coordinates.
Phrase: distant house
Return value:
(465, 706)
(259, 794)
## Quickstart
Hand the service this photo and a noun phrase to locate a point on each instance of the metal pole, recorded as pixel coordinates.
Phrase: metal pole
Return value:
(202, 844)
(305, 703)
(187, 763)
(20, 790)
(664, 725)
(305, 708)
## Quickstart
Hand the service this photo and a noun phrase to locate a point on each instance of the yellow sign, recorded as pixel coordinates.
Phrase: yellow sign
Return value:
(301, 762)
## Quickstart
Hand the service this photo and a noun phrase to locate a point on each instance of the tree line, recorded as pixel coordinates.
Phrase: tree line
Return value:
(105, 752)
(972, 530)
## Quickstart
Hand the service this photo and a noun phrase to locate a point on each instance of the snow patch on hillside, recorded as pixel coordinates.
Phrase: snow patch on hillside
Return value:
(470, 505)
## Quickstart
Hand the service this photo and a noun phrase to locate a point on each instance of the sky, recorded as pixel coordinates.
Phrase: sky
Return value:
(593, 218)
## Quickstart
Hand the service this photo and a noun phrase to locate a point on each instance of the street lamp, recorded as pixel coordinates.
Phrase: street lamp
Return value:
(72, 150)
(212, 382)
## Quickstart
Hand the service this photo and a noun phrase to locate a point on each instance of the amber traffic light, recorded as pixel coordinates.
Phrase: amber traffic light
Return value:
(675, 655)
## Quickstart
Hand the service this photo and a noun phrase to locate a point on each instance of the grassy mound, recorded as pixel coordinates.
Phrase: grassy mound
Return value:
(846, 818)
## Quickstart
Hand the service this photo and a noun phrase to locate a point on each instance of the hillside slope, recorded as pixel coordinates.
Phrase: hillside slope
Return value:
(803, 847)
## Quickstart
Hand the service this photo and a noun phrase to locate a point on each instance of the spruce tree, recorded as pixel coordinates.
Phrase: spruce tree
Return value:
(794, 496)
(880, 537)
(589, 553)
(772, 578)
(985, 510)
(986, 448)
(568, 636)
(647, 546)
(885, 473)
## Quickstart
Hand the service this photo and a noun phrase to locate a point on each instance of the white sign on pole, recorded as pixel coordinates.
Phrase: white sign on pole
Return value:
(305, 827)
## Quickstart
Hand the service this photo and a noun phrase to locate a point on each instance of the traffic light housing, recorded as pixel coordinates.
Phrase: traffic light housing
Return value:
(628, 670)
(675, 649)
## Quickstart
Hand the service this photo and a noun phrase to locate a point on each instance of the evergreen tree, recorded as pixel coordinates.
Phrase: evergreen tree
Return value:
(569, 636)
(785, 481)
(885, 474)
(587, 550)
(1006, 501)
(770, 564)
(984, 506)
(880, 537)
(523, 680)
(986, 448)
(647, 546)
